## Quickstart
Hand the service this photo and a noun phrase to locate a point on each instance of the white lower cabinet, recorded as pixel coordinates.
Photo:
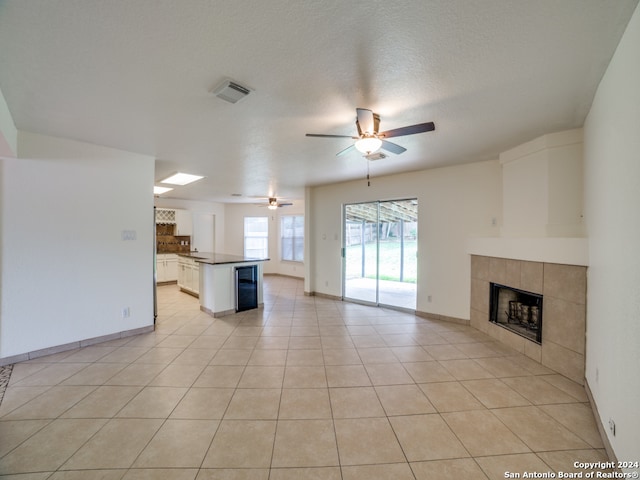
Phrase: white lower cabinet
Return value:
(166, 267)
(195, 279)
(189, 275)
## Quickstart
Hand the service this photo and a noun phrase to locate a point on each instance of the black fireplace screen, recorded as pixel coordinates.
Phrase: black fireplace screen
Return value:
(516, 310)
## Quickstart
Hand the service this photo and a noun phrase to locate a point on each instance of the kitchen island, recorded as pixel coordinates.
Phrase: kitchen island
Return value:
(222, 277)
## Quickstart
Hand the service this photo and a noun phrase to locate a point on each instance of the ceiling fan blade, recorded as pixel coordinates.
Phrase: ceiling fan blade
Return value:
(285, 204)
(365, 121)
(329, 136)
(346, 150)
(410, 130)
(393, 147)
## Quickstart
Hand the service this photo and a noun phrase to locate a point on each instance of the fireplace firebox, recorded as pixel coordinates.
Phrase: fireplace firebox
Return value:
(516, 310)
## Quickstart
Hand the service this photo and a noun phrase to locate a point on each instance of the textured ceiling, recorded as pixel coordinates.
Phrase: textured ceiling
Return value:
(137, 75)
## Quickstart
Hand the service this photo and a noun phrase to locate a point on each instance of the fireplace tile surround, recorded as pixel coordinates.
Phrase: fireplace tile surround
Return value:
(564, 288)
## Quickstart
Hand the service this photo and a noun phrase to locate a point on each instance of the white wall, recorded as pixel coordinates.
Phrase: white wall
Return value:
(612, 201)
(454, 203)
(234, 234)
(66, 272)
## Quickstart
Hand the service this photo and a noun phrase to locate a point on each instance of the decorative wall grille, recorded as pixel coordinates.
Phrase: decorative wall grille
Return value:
(164, 216)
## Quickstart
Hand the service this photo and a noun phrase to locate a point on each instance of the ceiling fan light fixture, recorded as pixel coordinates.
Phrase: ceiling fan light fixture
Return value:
(368, 145)
(273, 204)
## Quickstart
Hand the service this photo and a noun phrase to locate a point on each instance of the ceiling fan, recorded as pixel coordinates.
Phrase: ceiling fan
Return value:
(369, 139)
(273, 203)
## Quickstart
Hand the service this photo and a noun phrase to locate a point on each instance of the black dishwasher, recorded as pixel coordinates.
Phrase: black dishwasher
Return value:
(246, 288)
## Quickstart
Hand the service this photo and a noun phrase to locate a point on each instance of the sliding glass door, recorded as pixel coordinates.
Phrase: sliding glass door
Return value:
(380, 253)
(361, 252)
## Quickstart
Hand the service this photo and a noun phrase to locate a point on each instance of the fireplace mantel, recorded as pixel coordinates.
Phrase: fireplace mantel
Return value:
(561, 250)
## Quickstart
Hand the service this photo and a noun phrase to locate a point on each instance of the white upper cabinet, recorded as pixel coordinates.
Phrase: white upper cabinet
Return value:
(184, 222)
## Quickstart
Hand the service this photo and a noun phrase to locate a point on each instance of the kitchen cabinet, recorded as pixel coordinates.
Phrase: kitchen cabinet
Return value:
(195, 278)
(189, 275)
(184, 222)
(166, 267)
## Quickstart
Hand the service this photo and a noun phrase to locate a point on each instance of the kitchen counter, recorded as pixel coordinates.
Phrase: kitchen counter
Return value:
(217, 290)
(220, 258)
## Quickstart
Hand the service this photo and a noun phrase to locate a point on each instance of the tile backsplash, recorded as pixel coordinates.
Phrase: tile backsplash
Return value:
(168, 242)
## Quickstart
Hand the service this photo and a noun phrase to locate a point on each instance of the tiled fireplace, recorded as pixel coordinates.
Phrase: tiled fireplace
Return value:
(516, 310)
(561, 345)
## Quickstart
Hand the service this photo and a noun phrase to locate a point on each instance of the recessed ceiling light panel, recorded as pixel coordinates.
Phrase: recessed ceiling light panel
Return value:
(160, 190)
(181, 179)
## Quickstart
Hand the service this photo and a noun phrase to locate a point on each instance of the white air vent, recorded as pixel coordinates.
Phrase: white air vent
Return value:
(231, 91)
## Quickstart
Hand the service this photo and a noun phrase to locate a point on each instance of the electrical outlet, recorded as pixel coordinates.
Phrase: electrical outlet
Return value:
(612, 427)
(126, 312)
(429, 298)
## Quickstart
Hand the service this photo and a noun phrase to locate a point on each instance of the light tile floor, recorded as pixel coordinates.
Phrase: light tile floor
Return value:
(306, 388)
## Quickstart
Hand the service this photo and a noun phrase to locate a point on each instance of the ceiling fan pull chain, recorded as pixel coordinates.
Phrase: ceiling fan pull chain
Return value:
(368, 182)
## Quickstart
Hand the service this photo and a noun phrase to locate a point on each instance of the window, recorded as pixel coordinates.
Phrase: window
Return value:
(292, 238)
(256, 237)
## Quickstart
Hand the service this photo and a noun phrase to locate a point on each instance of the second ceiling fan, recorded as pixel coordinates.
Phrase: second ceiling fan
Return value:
(273, 203)
(370, 139)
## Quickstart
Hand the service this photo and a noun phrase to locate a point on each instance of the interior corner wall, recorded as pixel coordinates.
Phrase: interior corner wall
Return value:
(612, 197)
(8, 131)
(234, 234)
(454, 203)
(67, 272)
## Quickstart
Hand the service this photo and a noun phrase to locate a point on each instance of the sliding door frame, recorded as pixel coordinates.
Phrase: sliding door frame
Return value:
(377, 224)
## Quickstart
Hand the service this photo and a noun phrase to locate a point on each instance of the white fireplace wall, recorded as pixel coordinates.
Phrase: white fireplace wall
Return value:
(542, 187)
(541, 249)
(542, 203)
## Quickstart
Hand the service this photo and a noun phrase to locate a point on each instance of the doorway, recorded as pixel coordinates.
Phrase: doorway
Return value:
(380, 253)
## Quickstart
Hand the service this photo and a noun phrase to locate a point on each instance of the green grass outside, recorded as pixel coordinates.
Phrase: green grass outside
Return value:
(389, 261)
